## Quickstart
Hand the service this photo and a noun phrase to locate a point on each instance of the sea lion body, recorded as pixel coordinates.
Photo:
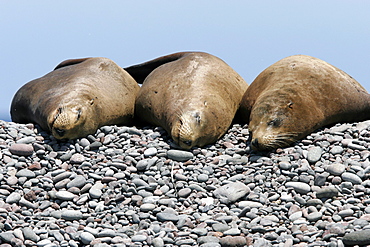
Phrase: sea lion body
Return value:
(297, 95)
(192, 95)
(77, 98)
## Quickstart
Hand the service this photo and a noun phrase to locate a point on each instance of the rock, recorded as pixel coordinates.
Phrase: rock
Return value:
(231, 192)
(351, 177)
(361, 238)
(299, 187)
(327, 192)
(21, 149)
(229, 241)
(179, 155)
(314, 154)
(71, 215)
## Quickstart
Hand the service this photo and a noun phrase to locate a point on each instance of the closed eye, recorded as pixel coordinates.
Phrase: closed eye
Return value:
(275, 122)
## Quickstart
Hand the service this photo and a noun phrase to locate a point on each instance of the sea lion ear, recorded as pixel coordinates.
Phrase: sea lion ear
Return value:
(70, 62)
(290, 105)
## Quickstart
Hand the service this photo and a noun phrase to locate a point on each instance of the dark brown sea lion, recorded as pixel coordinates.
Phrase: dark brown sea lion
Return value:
(297, 95)
(77, 98)
(192, 95)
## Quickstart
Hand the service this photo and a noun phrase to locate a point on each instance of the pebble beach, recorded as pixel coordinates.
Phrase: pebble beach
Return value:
(128, 186)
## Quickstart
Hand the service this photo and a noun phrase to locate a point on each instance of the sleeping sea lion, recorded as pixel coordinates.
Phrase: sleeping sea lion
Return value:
(192, 95)
(77, 97)
(297, 95)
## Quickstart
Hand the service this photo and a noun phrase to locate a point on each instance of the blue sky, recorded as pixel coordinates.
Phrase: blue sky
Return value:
(248, 35)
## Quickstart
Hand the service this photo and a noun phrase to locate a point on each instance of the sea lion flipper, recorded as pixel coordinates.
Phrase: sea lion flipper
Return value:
(70, 62)
(140, 71)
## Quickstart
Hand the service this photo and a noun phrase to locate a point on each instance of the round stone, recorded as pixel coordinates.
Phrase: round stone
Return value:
(299, 187)
(179, 155)
(21, 149)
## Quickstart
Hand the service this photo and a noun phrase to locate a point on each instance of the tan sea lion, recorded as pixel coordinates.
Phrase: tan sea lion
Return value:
(192, 95)
(77, 98)
(297, 95)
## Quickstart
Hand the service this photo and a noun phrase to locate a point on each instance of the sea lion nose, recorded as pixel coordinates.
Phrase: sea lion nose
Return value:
(255, 143)
(188, 142)
(60, 132)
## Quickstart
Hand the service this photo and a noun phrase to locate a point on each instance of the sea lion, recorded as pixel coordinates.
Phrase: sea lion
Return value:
(297, 95)
(192, 95)
(77, 97)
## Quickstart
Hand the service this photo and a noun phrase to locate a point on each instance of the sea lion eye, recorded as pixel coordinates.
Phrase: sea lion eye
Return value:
(188, 142)
(60, 132)
(275, 122)
(197, 117)
(78, 114)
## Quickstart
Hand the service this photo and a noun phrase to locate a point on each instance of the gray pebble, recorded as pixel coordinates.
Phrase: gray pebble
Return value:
(64, 195)
(21, 149)
(28, 233)
(351, 177)
(361, 237)
(150, 152)
(167, 217)
(71, 215)
(185, 192)
(179, 155)
(327, 192)
(231, 192)
(13, 198)
(336, 169)
(314, 154)
(299, 187)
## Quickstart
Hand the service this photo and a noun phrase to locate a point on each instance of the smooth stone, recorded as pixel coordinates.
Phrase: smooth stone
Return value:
(44, 242)
(231, 192)
(299, 187)
(345, 213)
(158, 242)
(65, 195)
(336, 169)
(351, 177)
(336, 150)
(79, 181)
(250, 204)
(202, 178)
(167, 217)
(107, 233)
(314, 154)
(28, 233)
(185, 192)
(7, 236)
(71, 215)
(77, 158)
(21, 149)
(208, 239)
(13, 198)
(315, 216)
(361, 237)
(26, 140)
(150, 152)
(327, 192)
(25, 173)
(233, 241)
(179, 155)
(138, 238)
(142, 165)
(147, 207)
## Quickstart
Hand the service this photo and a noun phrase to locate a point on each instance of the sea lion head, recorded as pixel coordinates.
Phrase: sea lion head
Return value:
(188, 128)
(71, 120)
(274, 123)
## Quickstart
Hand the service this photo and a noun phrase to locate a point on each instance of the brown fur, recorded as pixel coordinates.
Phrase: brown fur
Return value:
(77, 98)
(297, 95)
(192, 95)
